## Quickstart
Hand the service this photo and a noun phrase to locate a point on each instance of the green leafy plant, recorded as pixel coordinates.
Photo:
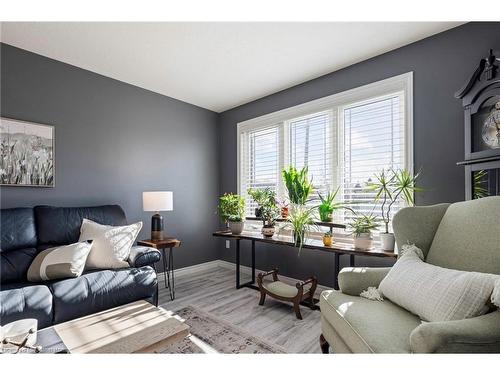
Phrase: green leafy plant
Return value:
(391, 187)
(328, 206)
(299, 221)
(269, 214)
(231, 208)
(297, 184)
(263, 196)
(364, 224)
(480, 179)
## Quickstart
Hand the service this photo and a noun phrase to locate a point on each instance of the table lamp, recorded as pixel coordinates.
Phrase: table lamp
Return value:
(157, 201)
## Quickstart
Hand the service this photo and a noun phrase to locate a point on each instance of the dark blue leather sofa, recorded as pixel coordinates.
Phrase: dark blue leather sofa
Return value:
(26, 231)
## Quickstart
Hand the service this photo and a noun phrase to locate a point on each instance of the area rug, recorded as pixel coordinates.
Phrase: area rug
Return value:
(210, 334)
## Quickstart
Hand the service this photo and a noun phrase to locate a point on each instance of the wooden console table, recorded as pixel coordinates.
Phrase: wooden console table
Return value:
(338, 248)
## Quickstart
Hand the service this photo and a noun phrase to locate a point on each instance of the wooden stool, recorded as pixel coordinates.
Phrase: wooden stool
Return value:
(303, 290)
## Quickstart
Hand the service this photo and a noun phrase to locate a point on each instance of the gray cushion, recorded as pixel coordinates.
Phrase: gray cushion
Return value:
(21, 301)
(368, 326)
(468, 238)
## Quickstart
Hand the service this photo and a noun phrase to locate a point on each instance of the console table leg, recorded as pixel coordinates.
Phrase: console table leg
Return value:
(237, 264)
(352, 260)
(165, 267)
(171, 266)
(253, 262)
(336, 272)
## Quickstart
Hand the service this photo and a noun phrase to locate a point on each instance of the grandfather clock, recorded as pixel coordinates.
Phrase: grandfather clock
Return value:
(481, 101)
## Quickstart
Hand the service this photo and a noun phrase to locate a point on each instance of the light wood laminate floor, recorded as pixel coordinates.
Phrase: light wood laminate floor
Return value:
(214, 291)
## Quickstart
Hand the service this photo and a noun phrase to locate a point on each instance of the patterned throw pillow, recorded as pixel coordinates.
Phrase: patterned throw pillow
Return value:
(60, 262)
(111, 245)
(435, 293)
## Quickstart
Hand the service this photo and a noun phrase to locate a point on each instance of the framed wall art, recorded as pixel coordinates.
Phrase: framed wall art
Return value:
(27, 151)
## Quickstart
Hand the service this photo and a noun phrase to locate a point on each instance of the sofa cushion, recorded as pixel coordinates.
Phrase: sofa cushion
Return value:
(14, 264)
(467, 238)
(24, 300)
(17, 229)
(60, 262)
(101, 290)
(368, 326)
(61, 225)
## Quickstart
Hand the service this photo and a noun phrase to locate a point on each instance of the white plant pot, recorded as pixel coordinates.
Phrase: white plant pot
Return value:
(236, 227)
(363, 241)
(387, 241)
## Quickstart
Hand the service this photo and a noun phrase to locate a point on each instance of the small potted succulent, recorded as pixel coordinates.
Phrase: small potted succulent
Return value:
(362, 228)
(232, 211)
(328, 238)
(392, 187)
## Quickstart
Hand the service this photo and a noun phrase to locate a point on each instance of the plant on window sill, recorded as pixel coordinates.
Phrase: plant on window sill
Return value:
(390, 188)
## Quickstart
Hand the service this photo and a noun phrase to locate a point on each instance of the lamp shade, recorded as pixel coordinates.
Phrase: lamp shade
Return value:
(157, 201)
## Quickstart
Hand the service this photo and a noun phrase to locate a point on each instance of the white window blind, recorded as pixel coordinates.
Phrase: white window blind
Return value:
(311, 145)
(260, 162)
(373, 139)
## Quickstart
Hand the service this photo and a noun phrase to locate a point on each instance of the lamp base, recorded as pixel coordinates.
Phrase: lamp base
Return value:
(157, 227)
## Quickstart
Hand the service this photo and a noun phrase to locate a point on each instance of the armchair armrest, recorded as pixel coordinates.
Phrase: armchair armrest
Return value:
(353, 281)
(143, 256)
(475, 335)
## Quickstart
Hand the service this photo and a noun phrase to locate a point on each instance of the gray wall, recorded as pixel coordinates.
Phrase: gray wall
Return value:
(113, 141)
(441, 64)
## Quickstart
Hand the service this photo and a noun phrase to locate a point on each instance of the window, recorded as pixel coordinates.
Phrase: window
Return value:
(343, 139)
(373, 139)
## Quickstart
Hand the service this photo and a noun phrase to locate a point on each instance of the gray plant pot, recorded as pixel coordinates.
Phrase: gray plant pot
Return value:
(387, 241)
(236, 226)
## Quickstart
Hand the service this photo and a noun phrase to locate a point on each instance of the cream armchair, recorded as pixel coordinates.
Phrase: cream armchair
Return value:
(460, 236)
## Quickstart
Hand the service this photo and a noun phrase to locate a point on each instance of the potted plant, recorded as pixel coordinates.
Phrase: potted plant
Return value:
(299, 221)
(328, 238)
(392, 187)
(297, 184)
(232, 211)
(270, 212)
(284, 209)
(328, 206)
(262, 197)
(362, 227)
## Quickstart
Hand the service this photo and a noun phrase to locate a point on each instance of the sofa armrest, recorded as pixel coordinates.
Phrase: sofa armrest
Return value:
(353, 281)
(475, 335)
(143, 256)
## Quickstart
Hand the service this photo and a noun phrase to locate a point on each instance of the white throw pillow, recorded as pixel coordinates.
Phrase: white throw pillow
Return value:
(59, 262)
(435, 293)
(111, 246)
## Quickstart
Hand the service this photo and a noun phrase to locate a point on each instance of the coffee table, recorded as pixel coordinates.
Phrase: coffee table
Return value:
(138, 327)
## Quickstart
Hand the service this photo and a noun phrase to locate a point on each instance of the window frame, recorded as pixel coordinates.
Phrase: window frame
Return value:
(334, 103)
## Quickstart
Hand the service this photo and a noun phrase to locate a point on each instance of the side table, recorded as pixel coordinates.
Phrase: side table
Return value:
(168, 265)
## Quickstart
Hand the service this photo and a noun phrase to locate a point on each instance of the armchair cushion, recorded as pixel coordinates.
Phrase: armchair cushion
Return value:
(353, 281)
(367, 326)
(476, 335)
(143, 256)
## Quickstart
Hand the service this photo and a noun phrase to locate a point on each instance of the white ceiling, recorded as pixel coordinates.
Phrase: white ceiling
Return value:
(217, 66)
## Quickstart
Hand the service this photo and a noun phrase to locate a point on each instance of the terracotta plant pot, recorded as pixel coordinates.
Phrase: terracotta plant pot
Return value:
(268, 230)
(387, 241)
(236, 226)
(363, 241)
(284, 212)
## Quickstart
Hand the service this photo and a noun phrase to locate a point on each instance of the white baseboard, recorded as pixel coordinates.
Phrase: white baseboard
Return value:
(232, 266)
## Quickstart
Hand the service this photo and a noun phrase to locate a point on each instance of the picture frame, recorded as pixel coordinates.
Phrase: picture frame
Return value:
(27, 152)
